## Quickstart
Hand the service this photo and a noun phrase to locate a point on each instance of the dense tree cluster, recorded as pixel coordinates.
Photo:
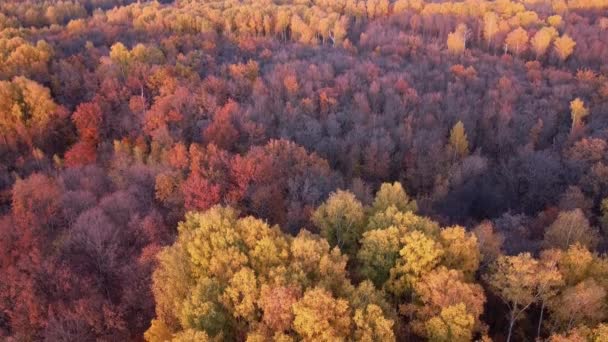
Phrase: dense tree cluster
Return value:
(237, 170)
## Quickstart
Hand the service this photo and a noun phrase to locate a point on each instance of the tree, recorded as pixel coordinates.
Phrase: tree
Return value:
(457, 40)
(515, 280)
(393, 195)
(443, 288)
(578, 112)
(378, 254)
(221, 131)
(241, 295)
(550, 282)
(419, 256)
(452, 324)
(564, 46)
(555, 21)
(318, 316)
(604, 217)
(87, 118)
(27, 110)
(404, 221)
(461, 250)
(489, 241)
(276, 303)
(339, 30)
(570, 227)
(584, 303)
(341, 220)
(458, 140)
(517, 40)
(542, 40)
(583, 333)
(490, 27)
(372, 326)
(80, 154)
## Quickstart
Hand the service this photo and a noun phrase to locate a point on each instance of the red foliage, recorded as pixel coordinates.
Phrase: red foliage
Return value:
(221, 131)
(87, 119)
(82, 153)
(200, 193)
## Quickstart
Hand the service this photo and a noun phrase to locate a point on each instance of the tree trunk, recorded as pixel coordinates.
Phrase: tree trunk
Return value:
(540, 320)
(511, 324)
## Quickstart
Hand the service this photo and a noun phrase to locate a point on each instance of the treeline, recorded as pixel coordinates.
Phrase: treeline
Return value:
(118, 118)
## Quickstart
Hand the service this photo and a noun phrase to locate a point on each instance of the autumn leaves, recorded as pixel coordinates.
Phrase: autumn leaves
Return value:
(239, 278)
(515, 30)
(228, 277)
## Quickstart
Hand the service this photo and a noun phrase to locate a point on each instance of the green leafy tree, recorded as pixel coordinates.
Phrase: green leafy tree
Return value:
(341, 220)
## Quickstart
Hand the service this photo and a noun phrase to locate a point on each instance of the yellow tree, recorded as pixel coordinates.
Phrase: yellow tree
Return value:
(403, 220)
(578, 112)
(321, 317)
(242, 294)
(393, 195)
(542, 40)
(419, 256)
(461, 250)
(453, 324)
(372, 326)
(583, 334)
(339, 30)
(575, 264)
(458, 140)
(490, 27)
(517, 40)
(514, 279)
(25, 104)
(555, 21)
(564, 46)
(457, 40)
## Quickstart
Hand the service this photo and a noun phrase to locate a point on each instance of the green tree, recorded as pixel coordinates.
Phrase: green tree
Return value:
(378, 254)
(341, 220)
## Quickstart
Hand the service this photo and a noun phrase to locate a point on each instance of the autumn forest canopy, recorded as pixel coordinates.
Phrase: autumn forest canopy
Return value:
(304, 170)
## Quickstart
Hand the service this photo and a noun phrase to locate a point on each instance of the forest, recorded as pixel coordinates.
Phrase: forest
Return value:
(304, 170)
